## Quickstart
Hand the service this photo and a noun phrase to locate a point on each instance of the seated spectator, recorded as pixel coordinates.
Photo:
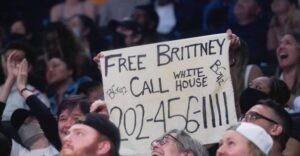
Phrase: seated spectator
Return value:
(17, 51)
(59, 41)
(264, 88)
(146, 16)
(61, 79)
(167, 11)
(216, 16)
(251, 26)
(177, 18)
(272, 117)
(31, 134)
(86, 31)
(20, 31)
(18, 27)
(190, 16)
(70, 110)
(176, 143)
(245, 139)
(63, 11)
(127, 33)
(117, 10)
(281, 22)
(95, 135)
(32, 140)
(288, 56)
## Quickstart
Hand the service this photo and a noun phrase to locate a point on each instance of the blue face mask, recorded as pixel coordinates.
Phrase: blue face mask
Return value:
(250, 97)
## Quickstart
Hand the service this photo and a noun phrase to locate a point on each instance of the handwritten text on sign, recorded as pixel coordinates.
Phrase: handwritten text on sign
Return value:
(183, 84)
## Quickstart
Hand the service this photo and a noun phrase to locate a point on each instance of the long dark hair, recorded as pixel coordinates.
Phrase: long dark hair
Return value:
(68, 46)
(296, 86)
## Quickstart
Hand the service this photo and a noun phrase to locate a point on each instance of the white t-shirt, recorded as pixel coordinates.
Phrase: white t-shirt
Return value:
(296, 103)
(19, 150)
(16, 101)
(295, 107)
(167, 18)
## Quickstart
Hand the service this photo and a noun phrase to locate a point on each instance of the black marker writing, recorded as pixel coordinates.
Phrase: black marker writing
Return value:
(217, 68)
(139, 87)
(167, 54)
(129, 63)
(113, 91)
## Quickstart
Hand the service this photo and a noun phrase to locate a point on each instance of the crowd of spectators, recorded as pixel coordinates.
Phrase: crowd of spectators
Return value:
(49, 80)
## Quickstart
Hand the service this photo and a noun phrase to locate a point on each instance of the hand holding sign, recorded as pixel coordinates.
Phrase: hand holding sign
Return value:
(234, 45)
(97, 59)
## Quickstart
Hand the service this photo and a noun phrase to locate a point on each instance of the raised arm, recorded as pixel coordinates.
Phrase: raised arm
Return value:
(234, 40)
(11, 65)
(235, 44)
(46, 120)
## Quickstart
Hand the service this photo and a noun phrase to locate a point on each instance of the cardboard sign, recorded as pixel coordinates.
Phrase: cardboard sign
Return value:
(182, 84)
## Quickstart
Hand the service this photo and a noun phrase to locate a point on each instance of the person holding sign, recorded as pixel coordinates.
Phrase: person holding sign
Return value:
(242, 73)
(176, 143)
(140, 102)
(245, 139)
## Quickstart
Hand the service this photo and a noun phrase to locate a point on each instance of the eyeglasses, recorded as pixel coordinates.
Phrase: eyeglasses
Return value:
(165, 139)
(252, 116)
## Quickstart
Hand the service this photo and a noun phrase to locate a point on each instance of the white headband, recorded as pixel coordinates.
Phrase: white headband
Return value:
(257, 136)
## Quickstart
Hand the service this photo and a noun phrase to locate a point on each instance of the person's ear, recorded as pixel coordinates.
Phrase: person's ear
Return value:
(104, 147)
(276, 130)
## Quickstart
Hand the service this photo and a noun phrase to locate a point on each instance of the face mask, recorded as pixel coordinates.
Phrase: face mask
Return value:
(250, 97)
(30, 133)
(76, 32)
